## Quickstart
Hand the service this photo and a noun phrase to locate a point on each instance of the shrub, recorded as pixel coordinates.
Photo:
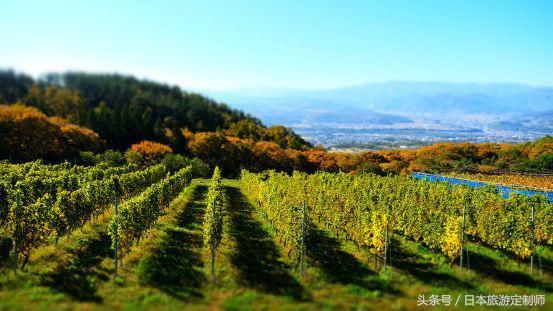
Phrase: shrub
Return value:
(151, 151)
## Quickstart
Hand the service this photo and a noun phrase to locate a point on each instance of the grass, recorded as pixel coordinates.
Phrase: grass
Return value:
(169, 269)
(255, 255)
(174, 265)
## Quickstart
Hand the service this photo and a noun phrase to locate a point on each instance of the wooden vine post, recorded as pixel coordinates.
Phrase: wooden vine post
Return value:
(213, 242)
(532, 242)
(302, 250)
(386, 246)
(116, 238)
(463, 238)
(16, 226)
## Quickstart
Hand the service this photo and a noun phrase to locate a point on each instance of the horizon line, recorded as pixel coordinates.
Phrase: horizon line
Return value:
(41, 75)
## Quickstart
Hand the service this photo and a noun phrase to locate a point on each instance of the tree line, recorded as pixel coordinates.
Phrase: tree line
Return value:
(124, 110)
(69, 116)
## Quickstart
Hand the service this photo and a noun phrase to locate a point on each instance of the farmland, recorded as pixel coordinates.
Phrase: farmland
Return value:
(270, 240)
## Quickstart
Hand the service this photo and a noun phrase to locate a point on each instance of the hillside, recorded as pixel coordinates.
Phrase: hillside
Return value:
(124, 110)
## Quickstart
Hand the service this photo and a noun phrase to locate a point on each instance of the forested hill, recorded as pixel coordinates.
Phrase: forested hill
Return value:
(124, 110)
(60, 116)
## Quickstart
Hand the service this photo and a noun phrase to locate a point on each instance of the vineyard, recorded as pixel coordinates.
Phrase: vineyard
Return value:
(97, 237)
(369, 209)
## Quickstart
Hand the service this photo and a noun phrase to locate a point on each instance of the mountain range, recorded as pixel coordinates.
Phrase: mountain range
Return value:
(402, 98)
(515, 109)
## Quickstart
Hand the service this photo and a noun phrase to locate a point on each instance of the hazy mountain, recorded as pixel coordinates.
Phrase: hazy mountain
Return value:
(406, 98)
(307, 111)
(403, 111)
(447, 97)
(537, 122)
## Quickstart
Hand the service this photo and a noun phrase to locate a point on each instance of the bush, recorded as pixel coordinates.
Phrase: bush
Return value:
(544, 162)
(175, 162)
(151, 151)
(87, 158)
(200, 168)
(110, 158)
(134, 157)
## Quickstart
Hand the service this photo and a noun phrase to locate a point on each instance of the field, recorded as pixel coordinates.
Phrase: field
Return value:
(167, 252)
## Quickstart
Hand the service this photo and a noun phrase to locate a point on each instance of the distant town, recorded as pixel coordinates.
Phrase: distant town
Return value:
(344, 139)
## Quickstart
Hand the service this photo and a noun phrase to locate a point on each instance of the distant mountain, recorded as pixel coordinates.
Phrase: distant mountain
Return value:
(433, 97)
(307, 111)
(403, 112)
(536, 122)
(407, 98)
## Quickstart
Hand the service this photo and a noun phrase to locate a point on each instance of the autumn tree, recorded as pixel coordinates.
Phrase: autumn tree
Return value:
(247, 129)
(284, 137)
(27, 134)
(150, 151)
(321, 160)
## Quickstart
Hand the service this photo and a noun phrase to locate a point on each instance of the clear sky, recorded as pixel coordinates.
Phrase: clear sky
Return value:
(296, 43)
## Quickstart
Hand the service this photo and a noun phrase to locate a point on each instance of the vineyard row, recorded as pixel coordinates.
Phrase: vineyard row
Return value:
(368, 209)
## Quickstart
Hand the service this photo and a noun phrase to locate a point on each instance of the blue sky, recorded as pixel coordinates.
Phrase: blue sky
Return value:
(303, 44)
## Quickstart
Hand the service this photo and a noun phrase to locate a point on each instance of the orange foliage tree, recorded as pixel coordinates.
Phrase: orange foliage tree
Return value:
(151, 151)
(27, 134)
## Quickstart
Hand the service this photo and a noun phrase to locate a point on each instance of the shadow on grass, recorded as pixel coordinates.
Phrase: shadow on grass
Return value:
(76, 278)
(488, 267)
(325, 252)
(175, 264)
(546, 263)
(256, 256)
(415, 265)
